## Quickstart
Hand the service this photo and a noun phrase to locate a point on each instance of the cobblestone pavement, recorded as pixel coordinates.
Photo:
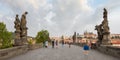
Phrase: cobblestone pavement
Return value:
(62, 53)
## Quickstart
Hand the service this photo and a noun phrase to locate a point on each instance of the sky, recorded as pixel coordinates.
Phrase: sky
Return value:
(61, 17)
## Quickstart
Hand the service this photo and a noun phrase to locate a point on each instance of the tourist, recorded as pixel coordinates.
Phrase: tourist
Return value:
(52, 43)
(69, 44)
(86, 49)
(43, 44)
(56, 43)
(46, 44)
(62, 43)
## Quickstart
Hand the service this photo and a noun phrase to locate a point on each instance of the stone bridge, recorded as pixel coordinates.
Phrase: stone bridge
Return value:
(63, 53)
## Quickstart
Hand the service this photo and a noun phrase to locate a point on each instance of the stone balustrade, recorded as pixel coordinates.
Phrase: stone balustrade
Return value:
(10, 52)
(113, 51)
(34, 46)
(14, 51)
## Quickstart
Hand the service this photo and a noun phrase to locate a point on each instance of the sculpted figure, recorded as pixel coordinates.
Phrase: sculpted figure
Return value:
(105, 22)
(99, 32)
(17, 23)
(23, 20)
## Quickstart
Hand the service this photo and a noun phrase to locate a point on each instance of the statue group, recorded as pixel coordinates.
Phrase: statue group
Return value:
(21, 30)
(103, 31)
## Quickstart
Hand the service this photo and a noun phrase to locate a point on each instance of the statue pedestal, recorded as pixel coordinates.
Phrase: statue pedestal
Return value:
(106, 39)
(24, 40)
(18, 42)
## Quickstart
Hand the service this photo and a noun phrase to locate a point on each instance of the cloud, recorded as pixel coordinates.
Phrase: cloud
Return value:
(59, 17)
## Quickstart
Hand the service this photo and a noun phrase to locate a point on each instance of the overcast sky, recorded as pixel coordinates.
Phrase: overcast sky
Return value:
(61, 17)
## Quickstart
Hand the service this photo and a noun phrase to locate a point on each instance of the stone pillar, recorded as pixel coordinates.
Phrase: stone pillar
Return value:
(74, 37)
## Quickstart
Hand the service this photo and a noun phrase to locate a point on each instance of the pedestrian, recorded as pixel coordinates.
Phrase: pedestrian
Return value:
(62, 43)
(52, 43)
(43, 44)
(46, 44)
(69, 44)
(56, 43)
(86, 49)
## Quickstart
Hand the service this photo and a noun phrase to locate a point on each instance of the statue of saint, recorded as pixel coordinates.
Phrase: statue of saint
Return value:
(105, 13)
(103, 30)
(17, 31)
(23, 20)
(105, 22)
(17, 23)
(99, 32)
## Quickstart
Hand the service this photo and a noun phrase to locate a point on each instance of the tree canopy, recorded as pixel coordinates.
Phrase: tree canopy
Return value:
(5, 36)
(42, 36)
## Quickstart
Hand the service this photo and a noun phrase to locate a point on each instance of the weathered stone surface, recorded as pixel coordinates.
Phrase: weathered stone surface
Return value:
(113, 51)
(63, 53)
(10, 52)
(34, 46)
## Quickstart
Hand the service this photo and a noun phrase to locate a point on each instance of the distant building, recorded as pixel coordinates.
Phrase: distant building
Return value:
(115, 39)
(87, 37)
(115, 36)
(90, 35)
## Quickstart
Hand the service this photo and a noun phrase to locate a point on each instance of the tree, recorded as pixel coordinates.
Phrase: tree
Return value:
(5, 36)
(42, 36)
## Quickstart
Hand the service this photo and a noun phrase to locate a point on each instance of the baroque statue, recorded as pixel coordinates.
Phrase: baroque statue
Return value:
(21, 30)
(103, 30)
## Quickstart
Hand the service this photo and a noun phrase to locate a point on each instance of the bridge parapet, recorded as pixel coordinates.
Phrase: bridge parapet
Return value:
(13, 51)
(113, 51)
(10, 52)
(110, 50)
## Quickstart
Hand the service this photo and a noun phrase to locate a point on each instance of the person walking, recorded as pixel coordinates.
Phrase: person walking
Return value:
(62, 43)
(52, 43)
(69, 44)
(43, 44)
(56, 43)
(86, 49)
(46, 44)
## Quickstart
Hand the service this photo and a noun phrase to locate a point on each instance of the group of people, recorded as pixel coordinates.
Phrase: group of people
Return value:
(53, 43)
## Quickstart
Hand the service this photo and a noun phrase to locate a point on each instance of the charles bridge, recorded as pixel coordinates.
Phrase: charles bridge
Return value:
(60, 53)
(22, 51)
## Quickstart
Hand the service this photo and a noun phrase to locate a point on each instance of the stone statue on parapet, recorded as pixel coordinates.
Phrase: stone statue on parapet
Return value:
(23, 20)
(17, 31)
(17, 23)
(24, 28)
(99, 32)
(105, 22)
(21, 30)
(103, 30)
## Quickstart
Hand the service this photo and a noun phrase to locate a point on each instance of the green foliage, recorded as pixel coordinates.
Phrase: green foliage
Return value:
(2, 27)
(42, 36)
(5, 36)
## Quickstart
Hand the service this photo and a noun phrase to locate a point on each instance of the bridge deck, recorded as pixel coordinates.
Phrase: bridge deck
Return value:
(62, 53)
